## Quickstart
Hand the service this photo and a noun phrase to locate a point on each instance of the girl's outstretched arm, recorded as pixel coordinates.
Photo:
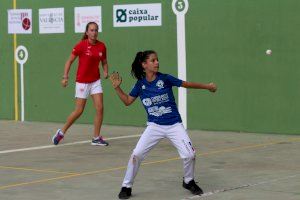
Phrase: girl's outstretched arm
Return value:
(210, 86)
(116, 81)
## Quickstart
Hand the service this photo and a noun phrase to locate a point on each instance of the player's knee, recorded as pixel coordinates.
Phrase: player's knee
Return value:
(137, 156)
(79, 111)
(134, 159)
(190, 156)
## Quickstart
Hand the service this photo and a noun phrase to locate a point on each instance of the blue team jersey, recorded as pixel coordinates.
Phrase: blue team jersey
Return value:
(158, 98)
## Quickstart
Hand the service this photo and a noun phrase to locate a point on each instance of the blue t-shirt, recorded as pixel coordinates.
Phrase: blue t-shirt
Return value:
(158, 98)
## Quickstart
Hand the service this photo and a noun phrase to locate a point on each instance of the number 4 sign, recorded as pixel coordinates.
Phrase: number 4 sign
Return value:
(21, 55)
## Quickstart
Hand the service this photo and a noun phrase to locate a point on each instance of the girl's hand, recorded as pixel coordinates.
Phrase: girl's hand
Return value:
(64, 82)
(116, 79)
(212, 87)
(105, 75)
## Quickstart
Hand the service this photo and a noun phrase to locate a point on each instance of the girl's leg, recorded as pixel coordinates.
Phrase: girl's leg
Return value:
(98, 104)
(180, 139)
(97, 96)
(151, 137)
(79, 107)
(81, 94)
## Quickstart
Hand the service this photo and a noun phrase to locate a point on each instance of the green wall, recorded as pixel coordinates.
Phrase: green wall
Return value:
(257, 93)
(6, 65)
(225, 42)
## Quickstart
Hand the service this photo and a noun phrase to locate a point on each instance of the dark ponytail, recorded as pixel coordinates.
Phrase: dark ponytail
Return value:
(137, 69)
(87, 28)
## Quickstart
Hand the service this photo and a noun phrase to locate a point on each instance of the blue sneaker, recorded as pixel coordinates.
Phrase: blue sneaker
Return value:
(59, 135)
(99, 142)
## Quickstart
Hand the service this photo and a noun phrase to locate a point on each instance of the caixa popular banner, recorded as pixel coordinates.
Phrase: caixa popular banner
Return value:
(137, 15)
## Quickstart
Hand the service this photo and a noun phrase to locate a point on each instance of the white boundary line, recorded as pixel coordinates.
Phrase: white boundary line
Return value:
(239, 187)
(62, 145)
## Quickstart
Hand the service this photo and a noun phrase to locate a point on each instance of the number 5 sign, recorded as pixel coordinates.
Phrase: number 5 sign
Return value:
(180, 6)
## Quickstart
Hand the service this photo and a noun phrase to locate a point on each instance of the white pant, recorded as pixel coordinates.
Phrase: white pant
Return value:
(83, 90)
(151, 136)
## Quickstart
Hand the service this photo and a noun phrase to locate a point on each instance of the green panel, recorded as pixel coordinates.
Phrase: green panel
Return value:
(6, 65)
(226, 42)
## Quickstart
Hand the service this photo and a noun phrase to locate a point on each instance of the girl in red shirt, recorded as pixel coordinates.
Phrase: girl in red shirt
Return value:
(88, 83)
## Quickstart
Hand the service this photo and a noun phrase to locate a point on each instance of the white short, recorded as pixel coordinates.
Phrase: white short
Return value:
(83, 90)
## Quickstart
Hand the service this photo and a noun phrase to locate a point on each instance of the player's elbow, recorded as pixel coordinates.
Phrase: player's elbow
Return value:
(128, 103)
(69, 63)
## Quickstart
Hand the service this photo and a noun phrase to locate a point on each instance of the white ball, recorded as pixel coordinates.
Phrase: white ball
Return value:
(269, 52)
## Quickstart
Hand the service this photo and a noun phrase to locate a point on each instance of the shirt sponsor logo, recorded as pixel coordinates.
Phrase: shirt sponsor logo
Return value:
(159, 111)
(160, 99)
(147, 102)
(88, 52)
(160, 84)
(137, 15)
(156, 100)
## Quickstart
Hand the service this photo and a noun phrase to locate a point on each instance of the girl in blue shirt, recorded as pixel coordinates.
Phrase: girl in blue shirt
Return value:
(164, 121)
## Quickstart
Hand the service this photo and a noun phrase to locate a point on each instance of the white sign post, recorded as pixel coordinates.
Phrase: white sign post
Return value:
(180, 8)
(21, 55)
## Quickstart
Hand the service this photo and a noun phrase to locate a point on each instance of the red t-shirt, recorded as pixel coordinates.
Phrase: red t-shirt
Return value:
(90, 56)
